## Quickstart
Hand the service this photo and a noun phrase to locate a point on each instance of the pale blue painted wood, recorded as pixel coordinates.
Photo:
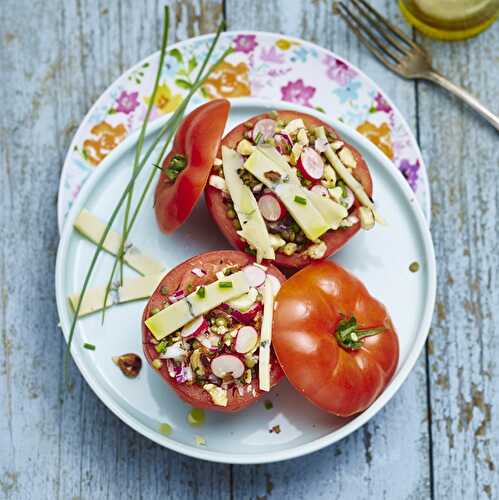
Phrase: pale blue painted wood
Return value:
(56, 57)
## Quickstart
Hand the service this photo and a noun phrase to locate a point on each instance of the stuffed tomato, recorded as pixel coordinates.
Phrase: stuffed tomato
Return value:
(286, 187)
(206, 329)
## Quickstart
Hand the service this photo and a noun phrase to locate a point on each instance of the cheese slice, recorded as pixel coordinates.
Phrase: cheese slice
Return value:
(332, 212)
(93, 228)
(253, 228)
(176, 315)
(347, 177)
(288, 189)
(266, 337)
(132, 289)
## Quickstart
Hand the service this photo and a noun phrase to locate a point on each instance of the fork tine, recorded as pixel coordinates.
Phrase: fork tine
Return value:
(363, 27)
(383, 27)
(390, 26)
(343, 12)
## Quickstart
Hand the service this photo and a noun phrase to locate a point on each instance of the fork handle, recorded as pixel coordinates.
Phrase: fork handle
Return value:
(473, 102)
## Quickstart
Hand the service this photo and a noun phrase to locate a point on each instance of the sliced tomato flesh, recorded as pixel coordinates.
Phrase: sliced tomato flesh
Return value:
(197, 141)
(182, 278)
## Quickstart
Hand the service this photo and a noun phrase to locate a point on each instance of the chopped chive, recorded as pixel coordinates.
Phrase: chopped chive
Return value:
(195, 417)
(161, 346)
(258, 137)
(414, 267)
(165, 429)
(190, 287)
(301, 200)
(225, 284)
(88, 346)
(201, 292)
(268, 405)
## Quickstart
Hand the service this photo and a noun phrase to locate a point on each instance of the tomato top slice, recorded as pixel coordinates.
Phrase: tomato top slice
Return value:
(183, 278)
(194, 149)
(334, 240)
(339, 363)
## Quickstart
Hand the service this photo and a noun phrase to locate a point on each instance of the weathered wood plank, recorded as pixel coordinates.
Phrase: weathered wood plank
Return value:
(462, 153)
(389, 457)
(57, 58)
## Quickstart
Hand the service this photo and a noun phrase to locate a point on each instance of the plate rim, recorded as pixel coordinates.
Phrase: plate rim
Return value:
(109, 400)
(62, 218)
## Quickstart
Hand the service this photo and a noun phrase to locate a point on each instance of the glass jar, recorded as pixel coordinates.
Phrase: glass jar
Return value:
(450, 19)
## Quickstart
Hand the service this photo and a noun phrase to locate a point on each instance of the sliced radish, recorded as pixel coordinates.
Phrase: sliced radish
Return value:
(320, 189)
(311, 164)
(271, 207)
(176, 296)
(349, 199)
(255, 275)
(227, 365)
(194, 328)
(246, 339)
(197, 271)
(264, 129)
(283, 143)
(274, 283)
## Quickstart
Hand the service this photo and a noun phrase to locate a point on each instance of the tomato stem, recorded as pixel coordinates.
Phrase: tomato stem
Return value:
(349, 336)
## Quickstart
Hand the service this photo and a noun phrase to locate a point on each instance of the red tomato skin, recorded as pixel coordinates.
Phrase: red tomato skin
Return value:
(308, 309)
(198, 139)
(333, 239)
(179, 278)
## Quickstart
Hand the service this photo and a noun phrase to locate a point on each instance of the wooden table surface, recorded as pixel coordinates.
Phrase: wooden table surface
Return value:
(437, 438)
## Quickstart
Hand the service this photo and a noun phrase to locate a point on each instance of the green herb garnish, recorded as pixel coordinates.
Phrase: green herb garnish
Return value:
(88, 346)
(414, 267)
(225, 284)
(161, 346)
(301, 200)
(258, 137)
(201, 292)
(268, 405)
(165, 429)
(169, 128)
(196, 417)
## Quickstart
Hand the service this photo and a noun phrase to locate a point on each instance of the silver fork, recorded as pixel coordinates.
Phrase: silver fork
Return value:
(400, 54)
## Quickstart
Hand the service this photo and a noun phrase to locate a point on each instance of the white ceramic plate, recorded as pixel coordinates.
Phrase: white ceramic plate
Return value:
(380, 258)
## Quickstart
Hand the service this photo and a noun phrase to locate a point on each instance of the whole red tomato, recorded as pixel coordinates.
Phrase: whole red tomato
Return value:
(335, 342)
(182, 278)
(187, 167)
(333, 239)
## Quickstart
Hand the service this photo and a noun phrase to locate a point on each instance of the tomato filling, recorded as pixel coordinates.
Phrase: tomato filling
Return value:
(219, 350)
(305, 153)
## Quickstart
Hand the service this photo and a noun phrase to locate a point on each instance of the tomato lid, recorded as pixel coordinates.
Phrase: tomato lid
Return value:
(186, 169)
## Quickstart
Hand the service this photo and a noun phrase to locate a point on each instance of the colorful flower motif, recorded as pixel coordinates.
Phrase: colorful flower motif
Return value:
(285, 44)
(297, 92)
(127, 102)
(349, 92)
(380, 136)
(228, 80)
(338, 71)
(410, 172)
(106, 139)
(272, 56)
(164, 100)
(381, 104)
(245, 43)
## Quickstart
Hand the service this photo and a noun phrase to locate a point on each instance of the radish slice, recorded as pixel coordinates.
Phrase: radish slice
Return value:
(227, 364)
(194, 328)
(176, 296)
(246, 339)
(271, 207)
(255, 275)
(283, 143)
(264, 129)
(349, 199)
(311, 164)
(274, 283)
(197, 271)
(320, 189)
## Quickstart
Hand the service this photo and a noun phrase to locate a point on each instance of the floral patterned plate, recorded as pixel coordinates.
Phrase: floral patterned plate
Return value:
(264, 65)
